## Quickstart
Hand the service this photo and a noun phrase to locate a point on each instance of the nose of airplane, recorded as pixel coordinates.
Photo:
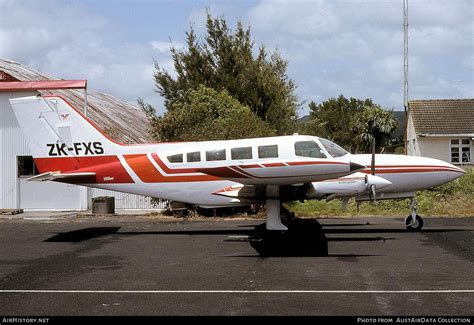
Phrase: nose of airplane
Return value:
(448, 172)
(453, 172)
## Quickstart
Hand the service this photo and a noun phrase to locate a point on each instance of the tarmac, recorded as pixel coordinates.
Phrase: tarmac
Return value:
(65, 264)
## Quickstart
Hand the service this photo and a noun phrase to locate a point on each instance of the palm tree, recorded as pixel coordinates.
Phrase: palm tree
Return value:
(374, 122)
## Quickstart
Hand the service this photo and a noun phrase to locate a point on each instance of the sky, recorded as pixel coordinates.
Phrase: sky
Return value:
(333, 47)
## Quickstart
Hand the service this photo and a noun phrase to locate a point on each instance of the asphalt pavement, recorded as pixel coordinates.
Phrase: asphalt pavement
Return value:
(126, 265)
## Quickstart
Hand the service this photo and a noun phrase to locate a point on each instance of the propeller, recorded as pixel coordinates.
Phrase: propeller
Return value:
(372, 167)
(372, 181)
(372, 193)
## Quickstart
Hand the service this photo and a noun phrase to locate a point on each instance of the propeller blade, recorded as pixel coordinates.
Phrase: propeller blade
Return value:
(373, 157)
(372, 193)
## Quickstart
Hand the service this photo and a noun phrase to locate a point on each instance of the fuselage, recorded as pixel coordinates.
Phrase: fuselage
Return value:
(198, 172)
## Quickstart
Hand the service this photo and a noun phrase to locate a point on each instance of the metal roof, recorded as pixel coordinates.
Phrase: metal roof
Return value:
(443, 116)
(120, 120)
(42, 85)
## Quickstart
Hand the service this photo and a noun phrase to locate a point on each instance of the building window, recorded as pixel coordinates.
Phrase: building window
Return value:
(241, 153)
(268, 151)
(193, 156)
(26, 166)
(213, 155)
(176, 158)
(460, 151)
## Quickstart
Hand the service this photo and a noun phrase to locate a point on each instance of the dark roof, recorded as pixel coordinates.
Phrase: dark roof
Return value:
(120, 120)
(443, 116)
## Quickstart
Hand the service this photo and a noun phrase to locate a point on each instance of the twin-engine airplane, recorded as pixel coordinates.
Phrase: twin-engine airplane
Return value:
(69, 148)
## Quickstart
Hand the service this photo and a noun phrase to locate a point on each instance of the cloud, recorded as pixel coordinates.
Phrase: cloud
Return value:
(164, 47)
(51, 39)
(345, 47)
(355, 48)
(296, 18)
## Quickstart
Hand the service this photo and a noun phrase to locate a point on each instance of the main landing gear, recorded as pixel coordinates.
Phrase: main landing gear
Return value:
(273, 209)
(413, 222)
(287, 237)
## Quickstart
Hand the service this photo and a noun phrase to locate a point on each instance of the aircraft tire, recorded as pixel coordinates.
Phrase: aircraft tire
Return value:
(417, 226)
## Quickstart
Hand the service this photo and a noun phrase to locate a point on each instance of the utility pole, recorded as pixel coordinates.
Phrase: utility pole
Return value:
(405, 70)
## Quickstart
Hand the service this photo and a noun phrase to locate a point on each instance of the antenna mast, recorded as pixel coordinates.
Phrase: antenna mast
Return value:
(405, 66)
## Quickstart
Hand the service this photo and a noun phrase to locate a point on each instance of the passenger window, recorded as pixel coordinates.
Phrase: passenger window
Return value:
(193, 156)
(176, 158)
(268, 151)
(215, 155)
(241, 153)
(308, 149)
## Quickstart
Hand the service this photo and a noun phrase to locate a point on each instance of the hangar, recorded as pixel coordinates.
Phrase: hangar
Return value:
(119, 119)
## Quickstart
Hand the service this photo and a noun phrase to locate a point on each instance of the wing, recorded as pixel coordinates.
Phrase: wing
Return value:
(283, 172)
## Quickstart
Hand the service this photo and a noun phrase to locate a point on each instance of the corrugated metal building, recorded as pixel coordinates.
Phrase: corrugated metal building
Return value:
(119, 119)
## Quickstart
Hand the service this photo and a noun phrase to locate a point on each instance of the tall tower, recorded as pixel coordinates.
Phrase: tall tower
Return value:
(405, 69)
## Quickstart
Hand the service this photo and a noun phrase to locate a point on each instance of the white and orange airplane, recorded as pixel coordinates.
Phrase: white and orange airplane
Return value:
(69, 148)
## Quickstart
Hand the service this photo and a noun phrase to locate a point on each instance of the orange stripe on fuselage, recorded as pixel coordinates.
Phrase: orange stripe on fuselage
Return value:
(108, 169)
(146, 171)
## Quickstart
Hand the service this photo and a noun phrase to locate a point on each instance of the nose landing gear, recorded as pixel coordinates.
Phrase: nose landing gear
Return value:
(413, 222)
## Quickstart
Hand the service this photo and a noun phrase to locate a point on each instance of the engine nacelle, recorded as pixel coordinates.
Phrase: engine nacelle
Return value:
(351, 185)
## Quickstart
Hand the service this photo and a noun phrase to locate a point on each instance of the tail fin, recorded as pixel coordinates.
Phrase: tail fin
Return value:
(55, 129)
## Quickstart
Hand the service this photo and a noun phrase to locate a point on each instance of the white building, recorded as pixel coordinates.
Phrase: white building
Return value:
(120, 120)
(442, 129)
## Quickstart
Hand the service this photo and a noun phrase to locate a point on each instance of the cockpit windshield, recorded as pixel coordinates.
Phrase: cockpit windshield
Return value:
(333, 149)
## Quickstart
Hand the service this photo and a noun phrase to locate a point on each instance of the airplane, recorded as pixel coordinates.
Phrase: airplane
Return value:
(68, 147)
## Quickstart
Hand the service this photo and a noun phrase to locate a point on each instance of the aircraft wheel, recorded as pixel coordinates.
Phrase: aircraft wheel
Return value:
(416, 226)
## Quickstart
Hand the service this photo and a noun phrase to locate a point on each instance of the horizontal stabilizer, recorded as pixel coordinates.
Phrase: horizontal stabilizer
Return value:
(55, 176)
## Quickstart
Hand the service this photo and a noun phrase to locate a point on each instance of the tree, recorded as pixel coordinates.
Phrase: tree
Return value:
(224, 60)
(334, 118)
(374, 123)
(352, 123)
(207, 115)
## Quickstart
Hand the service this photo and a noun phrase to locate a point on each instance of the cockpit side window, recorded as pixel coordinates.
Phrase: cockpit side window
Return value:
(308, 149)
(333, 149)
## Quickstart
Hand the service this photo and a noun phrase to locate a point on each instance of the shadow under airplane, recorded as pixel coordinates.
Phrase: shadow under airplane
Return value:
(305, 237)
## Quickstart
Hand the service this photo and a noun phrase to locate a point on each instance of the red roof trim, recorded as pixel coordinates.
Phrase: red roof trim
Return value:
(42, 85)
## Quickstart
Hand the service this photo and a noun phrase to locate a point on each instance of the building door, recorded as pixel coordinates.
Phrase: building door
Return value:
(47, 195)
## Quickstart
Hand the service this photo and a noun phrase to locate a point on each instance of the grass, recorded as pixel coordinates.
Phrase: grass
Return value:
(452, 199)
